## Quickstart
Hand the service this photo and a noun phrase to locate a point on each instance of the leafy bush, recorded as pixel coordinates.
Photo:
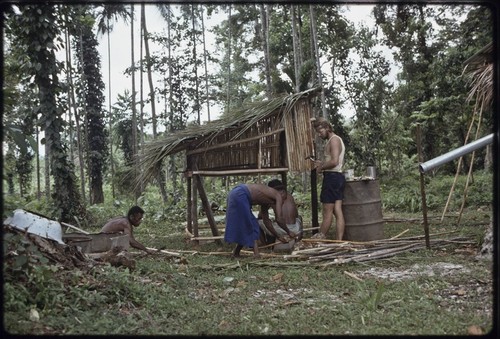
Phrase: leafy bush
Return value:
(403, 194)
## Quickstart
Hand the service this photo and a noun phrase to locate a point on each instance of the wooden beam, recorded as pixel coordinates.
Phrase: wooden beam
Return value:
(236, 172)
(314, 200)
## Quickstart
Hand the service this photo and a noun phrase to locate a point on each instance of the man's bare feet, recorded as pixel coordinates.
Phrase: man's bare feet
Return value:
(318, 235)
(236, 251)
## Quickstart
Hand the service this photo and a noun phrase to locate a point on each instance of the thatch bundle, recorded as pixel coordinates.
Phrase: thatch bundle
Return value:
(479, 68)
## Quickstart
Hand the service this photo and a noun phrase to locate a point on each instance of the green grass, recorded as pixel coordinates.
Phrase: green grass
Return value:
(201, 294)
(168, 296)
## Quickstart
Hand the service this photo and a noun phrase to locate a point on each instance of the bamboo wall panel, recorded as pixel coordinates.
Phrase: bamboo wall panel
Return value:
(299, 142)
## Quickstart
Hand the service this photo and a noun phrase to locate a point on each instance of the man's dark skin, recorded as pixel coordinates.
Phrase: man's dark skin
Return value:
(289, 212)
(125, 225)
(267, 197)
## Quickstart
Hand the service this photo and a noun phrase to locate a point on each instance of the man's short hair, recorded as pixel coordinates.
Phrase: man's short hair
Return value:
(322, 122)
(134, 210)
(276, 184)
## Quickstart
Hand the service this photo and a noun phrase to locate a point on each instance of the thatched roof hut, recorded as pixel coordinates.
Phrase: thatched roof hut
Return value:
(273, 136)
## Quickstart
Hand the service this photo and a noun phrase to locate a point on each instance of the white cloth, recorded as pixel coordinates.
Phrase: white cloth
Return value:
(296, 228)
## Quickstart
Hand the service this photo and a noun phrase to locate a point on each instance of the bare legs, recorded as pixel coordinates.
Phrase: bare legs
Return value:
(328, 211)
(339, 218)
(237, 249)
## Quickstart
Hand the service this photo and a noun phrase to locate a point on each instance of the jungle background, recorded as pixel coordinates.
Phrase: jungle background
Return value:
(406, 70)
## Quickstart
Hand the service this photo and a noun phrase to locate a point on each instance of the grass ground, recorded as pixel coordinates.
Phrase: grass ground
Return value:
(446, 290)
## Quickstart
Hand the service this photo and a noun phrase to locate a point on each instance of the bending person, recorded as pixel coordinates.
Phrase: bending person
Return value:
(242, 227)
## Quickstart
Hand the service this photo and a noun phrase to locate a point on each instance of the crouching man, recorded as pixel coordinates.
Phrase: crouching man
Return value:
(125, 225)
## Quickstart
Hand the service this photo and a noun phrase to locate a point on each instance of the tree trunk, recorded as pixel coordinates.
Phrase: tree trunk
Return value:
(81, 161)
(111, 160)
(141, 91)
(207, 93)
(47, 169)
(150, 76)
(265, 47)
(197, 92)
(296, 59)
(160, 178)
(318, 62)
(68, 64)
(228, 84)
(134, 109)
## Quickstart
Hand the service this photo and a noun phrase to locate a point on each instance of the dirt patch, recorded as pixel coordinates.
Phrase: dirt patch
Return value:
(437, 269)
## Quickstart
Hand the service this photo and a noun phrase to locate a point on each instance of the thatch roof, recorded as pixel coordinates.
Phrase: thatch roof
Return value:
(479, 68)
(194, 135)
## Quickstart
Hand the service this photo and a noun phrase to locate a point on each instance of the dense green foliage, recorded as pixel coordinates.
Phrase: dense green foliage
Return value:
(202, 294)
(404, 70)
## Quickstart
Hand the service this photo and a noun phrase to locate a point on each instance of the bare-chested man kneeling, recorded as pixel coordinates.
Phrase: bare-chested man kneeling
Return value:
(125, 225)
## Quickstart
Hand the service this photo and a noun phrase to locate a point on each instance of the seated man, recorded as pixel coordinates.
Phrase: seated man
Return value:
(290, 215)
(125, 225)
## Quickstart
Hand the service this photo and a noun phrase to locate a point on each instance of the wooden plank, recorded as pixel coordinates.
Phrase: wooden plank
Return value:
(238, 171)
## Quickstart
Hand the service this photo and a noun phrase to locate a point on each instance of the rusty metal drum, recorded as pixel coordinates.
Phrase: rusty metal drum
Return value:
(362, 208)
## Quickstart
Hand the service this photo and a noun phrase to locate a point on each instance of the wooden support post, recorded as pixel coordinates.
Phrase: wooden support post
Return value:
(422, 188)
(206, 206)
(188, 204)
(284, 180)
(194, 209)
(314, 200)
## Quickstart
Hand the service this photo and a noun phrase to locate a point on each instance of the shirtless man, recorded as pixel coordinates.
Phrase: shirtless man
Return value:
(290, 213)
(332, 188)
(125, 225)
(242, 227)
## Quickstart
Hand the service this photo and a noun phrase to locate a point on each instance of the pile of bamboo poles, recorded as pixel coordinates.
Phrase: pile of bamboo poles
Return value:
(326, 252)
(332, 252)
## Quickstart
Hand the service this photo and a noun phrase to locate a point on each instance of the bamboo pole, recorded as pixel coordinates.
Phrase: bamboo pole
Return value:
(422, 187)
(470, 166)
(457, 171)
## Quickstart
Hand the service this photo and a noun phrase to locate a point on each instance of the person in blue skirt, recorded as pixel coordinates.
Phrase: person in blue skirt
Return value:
(242, 227)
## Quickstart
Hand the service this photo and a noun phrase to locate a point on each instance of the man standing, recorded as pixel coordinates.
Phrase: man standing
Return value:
(332, 189)
(242, 226)
(125, 225)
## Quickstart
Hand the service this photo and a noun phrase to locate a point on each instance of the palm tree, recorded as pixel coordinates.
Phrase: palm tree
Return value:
(109, 13)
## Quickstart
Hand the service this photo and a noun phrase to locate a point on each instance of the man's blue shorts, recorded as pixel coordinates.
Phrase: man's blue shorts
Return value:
(332, 188)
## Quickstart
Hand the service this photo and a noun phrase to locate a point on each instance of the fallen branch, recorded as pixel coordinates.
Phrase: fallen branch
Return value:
(173, 254)
(352, 275)
(400, 234)
(74, 227)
